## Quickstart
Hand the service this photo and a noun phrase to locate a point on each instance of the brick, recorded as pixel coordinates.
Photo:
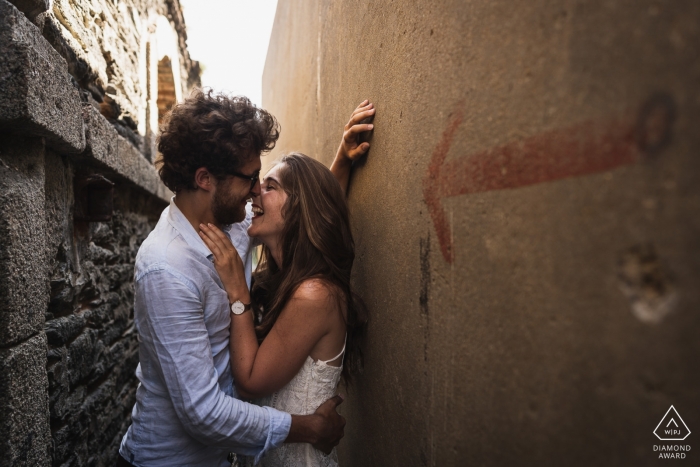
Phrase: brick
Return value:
(24, 415)
(24, 284)
(37, 96)
(31, 8)
(114, 152)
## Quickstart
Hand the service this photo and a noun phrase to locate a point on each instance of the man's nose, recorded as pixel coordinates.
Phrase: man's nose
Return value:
(255, 190)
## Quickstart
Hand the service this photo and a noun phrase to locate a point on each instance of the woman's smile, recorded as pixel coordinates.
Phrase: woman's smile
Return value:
(257, 211)
(269, 203)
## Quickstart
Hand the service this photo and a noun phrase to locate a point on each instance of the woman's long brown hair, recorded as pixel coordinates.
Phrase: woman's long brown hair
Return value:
(316, 244)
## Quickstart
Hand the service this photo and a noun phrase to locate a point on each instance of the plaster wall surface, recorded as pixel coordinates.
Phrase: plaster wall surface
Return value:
(526, 221)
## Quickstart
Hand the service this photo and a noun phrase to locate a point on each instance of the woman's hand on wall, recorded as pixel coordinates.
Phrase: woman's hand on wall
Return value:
(352, 145)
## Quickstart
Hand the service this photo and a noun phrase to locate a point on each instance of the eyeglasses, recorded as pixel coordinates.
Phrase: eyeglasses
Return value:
(253, 178)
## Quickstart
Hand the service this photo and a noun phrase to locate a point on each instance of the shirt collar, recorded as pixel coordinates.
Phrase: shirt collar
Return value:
(180, 223)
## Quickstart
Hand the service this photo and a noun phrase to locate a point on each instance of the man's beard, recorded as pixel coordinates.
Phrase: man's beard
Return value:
(227, 209)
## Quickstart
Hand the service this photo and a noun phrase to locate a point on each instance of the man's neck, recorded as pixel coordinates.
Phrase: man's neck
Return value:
(195, 205)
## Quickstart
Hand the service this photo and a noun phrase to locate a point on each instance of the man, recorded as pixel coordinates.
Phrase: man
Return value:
(187, 411)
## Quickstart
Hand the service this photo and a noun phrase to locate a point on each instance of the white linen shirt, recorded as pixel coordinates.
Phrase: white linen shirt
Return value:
(187, 411)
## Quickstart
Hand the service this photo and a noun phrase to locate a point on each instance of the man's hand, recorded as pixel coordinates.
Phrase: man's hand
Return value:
(351, 146)
(334, 425)
(323, 429)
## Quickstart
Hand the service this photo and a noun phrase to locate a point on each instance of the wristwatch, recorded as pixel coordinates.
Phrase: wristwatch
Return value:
(238, 307)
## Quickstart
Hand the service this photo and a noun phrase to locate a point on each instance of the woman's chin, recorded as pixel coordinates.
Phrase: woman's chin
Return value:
(252, 231)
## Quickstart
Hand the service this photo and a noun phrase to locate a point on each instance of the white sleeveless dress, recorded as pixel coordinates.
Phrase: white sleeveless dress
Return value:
(315, 383)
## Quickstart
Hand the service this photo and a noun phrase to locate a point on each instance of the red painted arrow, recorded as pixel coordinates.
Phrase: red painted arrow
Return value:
(585, 148)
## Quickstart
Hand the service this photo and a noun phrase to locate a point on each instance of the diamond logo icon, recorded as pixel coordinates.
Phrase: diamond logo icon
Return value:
(672, 427)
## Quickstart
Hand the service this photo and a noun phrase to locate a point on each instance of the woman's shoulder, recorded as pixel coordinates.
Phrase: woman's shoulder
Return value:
(319, 296)
(315, 289)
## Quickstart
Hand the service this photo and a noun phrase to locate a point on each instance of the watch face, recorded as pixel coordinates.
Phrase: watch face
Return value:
(238, 307)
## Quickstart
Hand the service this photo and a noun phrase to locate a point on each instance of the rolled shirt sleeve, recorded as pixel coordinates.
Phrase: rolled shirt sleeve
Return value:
(172, 326)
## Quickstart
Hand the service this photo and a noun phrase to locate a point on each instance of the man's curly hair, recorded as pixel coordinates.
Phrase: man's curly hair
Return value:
(214, 131)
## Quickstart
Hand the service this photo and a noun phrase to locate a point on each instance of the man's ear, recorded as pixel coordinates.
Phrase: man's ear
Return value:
(203, 179)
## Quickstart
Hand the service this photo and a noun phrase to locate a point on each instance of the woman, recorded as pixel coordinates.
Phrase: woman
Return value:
(310, 320)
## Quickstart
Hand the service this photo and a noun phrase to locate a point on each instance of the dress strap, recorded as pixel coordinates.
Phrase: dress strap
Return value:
(337, 356)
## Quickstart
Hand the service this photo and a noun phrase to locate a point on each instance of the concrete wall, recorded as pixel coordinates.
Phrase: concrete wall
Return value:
(526, 222)
(78, 195)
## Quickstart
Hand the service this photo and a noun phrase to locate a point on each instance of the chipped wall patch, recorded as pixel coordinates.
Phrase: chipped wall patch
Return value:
(649, 288)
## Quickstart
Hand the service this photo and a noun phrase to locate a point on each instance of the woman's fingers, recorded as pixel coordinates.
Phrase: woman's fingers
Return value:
(358, 151)
(357, 118)
(364, 103)
(215, 250)
(225, 255)
(357, 129)
(212, 238)
(216, 236)
(211, 235)
(361, 109)
(222, 240)
(219, 234)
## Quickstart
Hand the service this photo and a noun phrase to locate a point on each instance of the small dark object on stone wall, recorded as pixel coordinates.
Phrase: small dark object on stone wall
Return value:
(109, 108)
(94, 199)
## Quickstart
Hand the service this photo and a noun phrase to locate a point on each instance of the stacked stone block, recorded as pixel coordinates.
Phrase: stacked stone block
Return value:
(24, 429)
(92, 346)
(68, 349)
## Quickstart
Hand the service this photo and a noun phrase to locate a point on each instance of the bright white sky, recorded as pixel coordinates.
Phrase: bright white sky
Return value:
(230, 38)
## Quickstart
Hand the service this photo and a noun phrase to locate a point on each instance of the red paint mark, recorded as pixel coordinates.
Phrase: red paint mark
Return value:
(431, 183)
(582, 149)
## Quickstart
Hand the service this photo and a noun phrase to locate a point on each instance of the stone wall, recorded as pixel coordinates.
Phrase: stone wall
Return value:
(93, 350)
(78, 195)
(526, 221)
(25, 438)
(111, 47)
